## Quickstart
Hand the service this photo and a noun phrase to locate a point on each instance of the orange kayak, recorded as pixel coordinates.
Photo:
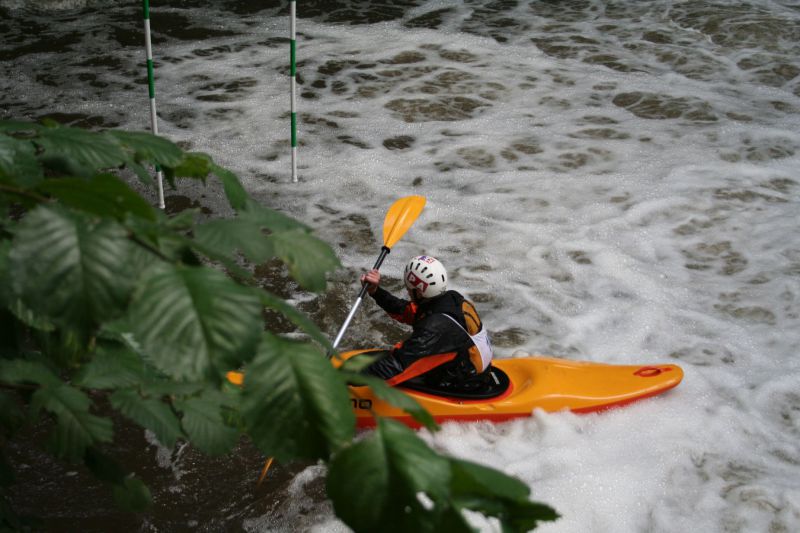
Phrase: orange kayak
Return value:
(533, 383)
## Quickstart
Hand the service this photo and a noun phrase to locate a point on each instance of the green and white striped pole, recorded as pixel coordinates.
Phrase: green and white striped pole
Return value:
(293, 76)
(151, 87)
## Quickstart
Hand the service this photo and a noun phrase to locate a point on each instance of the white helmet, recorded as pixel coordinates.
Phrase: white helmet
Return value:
(426, 274)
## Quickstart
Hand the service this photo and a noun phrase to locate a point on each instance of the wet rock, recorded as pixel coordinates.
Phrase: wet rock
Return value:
(580, 257)
(401, 142)
(659, 106)
(751, 314)
(476, 157)
(335, 66)
(529, 146)
(600, 133)
(658, 37)
(175, 203)
(609, 61)
(445, 108)
(404, 58)
(459, 56)
(509, 338)
(706, 256)
(431, 19)
(346, 139)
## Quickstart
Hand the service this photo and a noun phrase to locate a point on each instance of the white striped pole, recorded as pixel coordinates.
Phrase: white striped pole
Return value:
(293, 76)
(151, 88)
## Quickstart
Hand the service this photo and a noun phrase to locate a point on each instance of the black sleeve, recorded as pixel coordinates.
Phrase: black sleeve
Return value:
(397, 308)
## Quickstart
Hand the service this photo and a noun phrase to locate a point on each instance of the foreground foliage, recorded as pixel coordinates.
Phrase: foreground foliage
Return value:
(107, 303)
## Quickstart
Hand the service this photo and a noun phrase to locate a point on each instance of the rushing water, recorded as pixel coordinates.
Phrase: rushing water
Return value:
(608, 181)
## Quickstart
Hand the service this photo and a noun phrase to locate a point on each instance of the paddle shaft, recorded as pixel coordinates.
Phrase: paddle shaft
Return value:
(384, 252)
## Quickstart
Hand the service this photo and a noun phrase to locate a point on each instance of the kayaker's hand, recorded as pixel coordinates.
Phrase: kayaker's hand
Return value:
(371, 279)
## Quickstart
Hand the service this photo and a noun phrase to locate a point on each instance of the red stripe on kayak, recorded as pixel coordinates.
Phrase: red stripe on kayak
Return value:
(365, 422)
(622, 403)
(420, 366)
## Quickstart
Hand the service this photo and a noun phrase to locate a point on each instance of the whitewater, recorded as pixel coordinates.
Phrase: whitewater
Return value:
(608, 181)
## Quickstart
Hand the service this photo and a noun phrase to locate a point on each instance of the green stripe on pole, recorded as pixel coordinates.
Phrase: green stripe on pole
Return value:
(146, 9)
(292, 57)
(294, 130)
(151, 82)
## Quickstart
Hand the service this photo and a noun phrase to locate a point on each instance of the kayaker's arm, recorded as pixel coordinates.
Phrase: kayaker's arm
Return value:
(401, 310)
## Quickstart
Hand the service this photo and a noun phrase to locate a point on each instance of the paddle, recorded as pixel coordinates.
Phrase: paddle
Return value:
(399, 219)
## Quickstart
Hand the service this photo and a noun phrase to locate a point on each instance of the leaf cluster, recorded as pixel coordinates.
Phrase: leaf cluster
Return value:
(105, 299)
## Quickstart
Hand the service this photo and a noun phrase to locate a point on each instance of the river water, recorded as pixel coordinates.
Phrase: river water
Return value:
(608, 181)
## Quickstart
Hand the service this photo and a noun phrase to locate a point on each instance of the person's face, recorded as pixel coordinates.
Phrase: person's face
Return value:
(415, 294)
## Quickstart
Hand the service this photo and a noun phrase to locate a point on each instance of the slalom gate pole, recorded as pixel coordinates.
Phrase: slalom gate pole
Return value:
(151, 87)
(293, 76)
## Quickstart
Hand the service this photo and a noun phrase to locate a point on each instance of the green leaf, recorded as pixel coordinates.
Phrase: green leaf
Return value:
(270, 219)
(76, 427)
(193, 165)
(205, 427)
(150, 148)
(5, 278)
(150, 413)
(78, 152)
(194, 321)
(395, 397)
(359, 362)
(180, 222)
(374, 484)
(21, 371)
(160, 239)
(19, 127)
(168, 387)
(142, 173)
(419, 467)
(294, 403)
(23, 313)
(18, 164)
(226, 260)
(493, 493)
(237, 196)
(307, 257)
(297, 318)
(246, 232)
(132, 495)
(104, 194)
(70, 269)
(472, 478)
(113, 366)
(226, 236)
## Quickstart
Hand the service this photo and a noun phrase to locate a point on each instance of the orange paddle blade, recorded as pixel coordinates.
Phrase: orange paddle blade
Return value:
(264, 472)
(400, 218)
(237, 378)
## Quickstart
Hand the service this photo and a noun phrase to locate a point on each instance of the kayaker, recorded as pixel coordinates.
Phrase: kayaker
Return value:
(448, 346)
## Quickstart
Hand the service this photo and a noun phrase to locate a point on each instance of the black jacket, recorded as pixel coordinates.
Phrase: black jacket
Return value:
(436, 345)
